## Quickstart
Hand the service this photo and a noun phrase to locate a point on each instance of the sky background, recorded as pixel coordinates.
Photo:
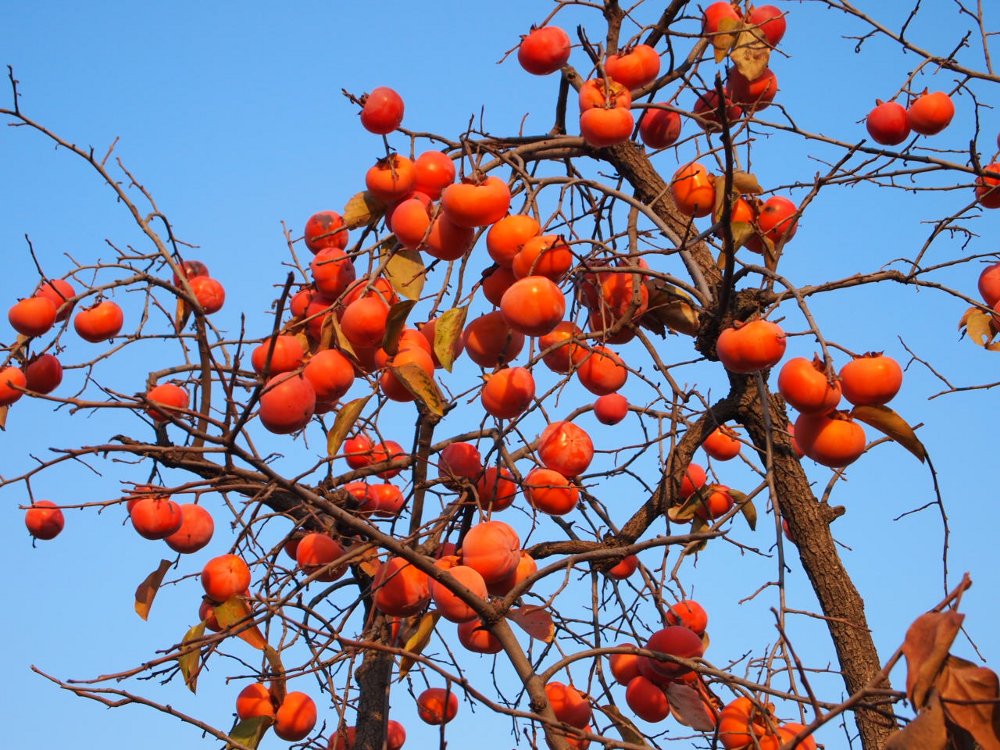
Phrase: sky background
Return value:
(232, 116)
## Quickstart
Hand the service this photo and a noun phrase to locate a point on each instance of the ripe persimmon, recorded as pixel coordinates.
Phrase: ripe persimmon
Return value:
(550, 492)
(324, 229)
(776, 219)
(387, 450)
(742, 724)
(722, 444)
(833, 439)
(526, 567)
(989, 283)
(606, 126)
(99, 322)
(715, 503)
(496, 281)
(533, 306)
(564, 354)
(295, 717)
(410, 222)
(358, 451)
(715, 13)
(674, 640)
(688, 613)
(437, 705)
(60, 292)
(11, 379)
(600, 93)
(32, 316)
(988, 188)
(754, 95)
(602, 371)
(931, 113)
(364, 320)
(872, 379)
(224, 577)
(493, 548)
(330, 373)
(887, 123)
(44, 519)
(460, 461)
(475, 637)
(506, 237)
(209, 292)
(433, 172)
(287, 403)
(332, 272)
(392, 386)
(390, 178)
(496, 489)
(43, 373)
(476, 203)
(706, 110)
(508, 392)
(383, 500)
(170, 397)
(489, 340)
(806, 385)
(448, 604)
(156, 517)
(565, 447)
(195, 531)
(694, 478)
(287, 353)
(611, 408)
(634, 67)
(448, 240)
(693, 190)
(647, 699)
(315, 551)
(544, 51)
(569, 704)
(752, 346)
(543, 255)
(400, 589)
(382, 111)
(659, 128)
(624, 568)
(624, 667)
(254, 700)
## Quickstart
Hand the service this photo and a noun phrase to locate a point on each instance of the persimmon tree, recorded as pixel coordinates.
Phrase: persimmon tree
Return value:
(480, 443)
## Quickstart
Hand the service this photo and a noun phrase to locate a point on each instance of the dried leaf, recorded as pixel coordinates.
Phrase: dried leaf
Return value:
(277, 686)
(978, 325)
(4, 411)
(395, 321)
(926, 732)
(751, 53)
(405, 271)
(723, 41)
(250, 732)
(368, 561)
(746, 184)
(926, 649)
(342, 424)
(746, 508)
(535, 621)
(417, 642)
(236, 613)
(697, 526)
(146, 591)
(447, 330)
(182, 314)
(190, 662)
(363, 208)
(885, 420)
(421, 385)
(685, 511)
(978, 690)
(688, 707)
(630, 732)
(720, 197)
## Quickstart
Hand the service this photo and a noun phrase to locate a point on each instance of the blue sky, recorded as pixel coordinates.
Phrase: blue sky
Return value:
(232, 117)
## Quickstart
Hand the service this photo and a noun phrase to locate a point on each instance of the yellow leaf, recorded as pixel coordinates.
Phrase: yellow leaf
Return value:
(417, 642)
(447, 330)
(751, 52)
(394, 323)
(723, 41)
(421, 385)
(181, 315)
(364, 208)
(190, 662)
(343, 423)
(885, 420)
(746, 508)
(535, 621)
(746, 184)
(978, 325)
(4, 411)
(405, 271)
(249, 732)
(146, 592)
(236, 613)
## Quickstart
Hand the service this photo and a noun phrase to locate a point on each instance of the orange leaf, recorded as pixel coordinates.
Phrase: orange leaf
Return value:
(926, 732)
(688, 707)
(535, 621)
(146, 592)
(886, 421)
(926, 649)
(977, 690)
(235, 613)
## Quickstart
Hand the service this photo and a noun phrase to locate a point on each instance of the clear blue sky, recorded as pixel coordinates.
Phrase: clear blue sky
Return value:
(232, 117)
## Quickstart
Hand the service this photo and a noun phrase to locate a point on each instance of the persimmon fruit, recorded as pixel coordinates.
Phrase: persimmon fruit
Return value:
(195, 531)
(44, 520)
(871, 379)
(32, 316)
(382, 111)
(437, 706)
(224, 577)
(544, 51)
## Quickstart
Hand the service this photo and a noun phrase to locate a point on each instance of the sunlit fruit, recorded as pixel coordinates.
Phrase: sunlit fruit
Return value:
(715, 502)
(606, 126)
(931, 113)
(325, 229)
(833, 439)
(647, 699)
(988, 188)
(32, 316)
(565, 447)
(295, 717)
(602, 371)
(209, 292)
(496, 489)
(508, 393)
(715, 14)
(888, 124)
(806, 385)
(287, 403)
(693, 189)
(224, 577)
(195, 531)
(449, 604)
(493, 548)
(286, 353)
(11, 379)
(330, 373)
(382, 111)
(752, 346)
(254, 700)
(460, 461)
(437, 705)
(44, 519)
(544, 51)
(542, 255)
(391, 178)
(60, 292)
(332, 272)
(634, 67)
(533, 306)
(476, 203)
(771, 22)
(550, 492)
(871, 379)
(400, 588)
(560, 353)
(489, 340)
(568, 704)
(506, 237)
(171, 400)
(674, 640)
(156, 517)
(434, 171)
(99, 322)
(475, 637)
(688, 613)
(611, 408)
(659, 128)
(624, 667)
(624, 568)
(43, 373)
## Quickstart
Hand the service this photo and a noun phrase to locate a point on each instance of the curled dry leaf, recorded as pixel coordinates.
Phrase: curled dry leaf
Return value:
(421, 385)
(405, 271)
(723, 41)
(146, 592)
(417, 642)
(888, 422)
(235, 612)
(926, 649)
(926, 732)
(190, 660)
(535, 621)
(688, 707)
(751, 52)
(969, 695)
(363, 208)
(343, 423)
(447, 331)
(746, 507)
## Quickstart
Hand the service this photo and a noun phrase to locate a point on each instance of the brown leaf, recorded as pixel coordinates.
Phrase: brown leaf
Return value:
(977, 325)
(395, 321)
(405, 271)
(190, 662)
(236, 613)
(926, 649)
(4, 411)
(342, 424)
(886, 421)
(146, 592)
(978, 691)
(250, 732)
(182, 314)
(747, 508)
(697, 526)
(421, 385)
(277, 687)
(723, 41)
(746, 184)
(535, 621)
(630, 732)
(688, 707)
(720, 197)
(447, 330)
(417, 642)
(363, 208)
(926, 732)
(751, 53)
